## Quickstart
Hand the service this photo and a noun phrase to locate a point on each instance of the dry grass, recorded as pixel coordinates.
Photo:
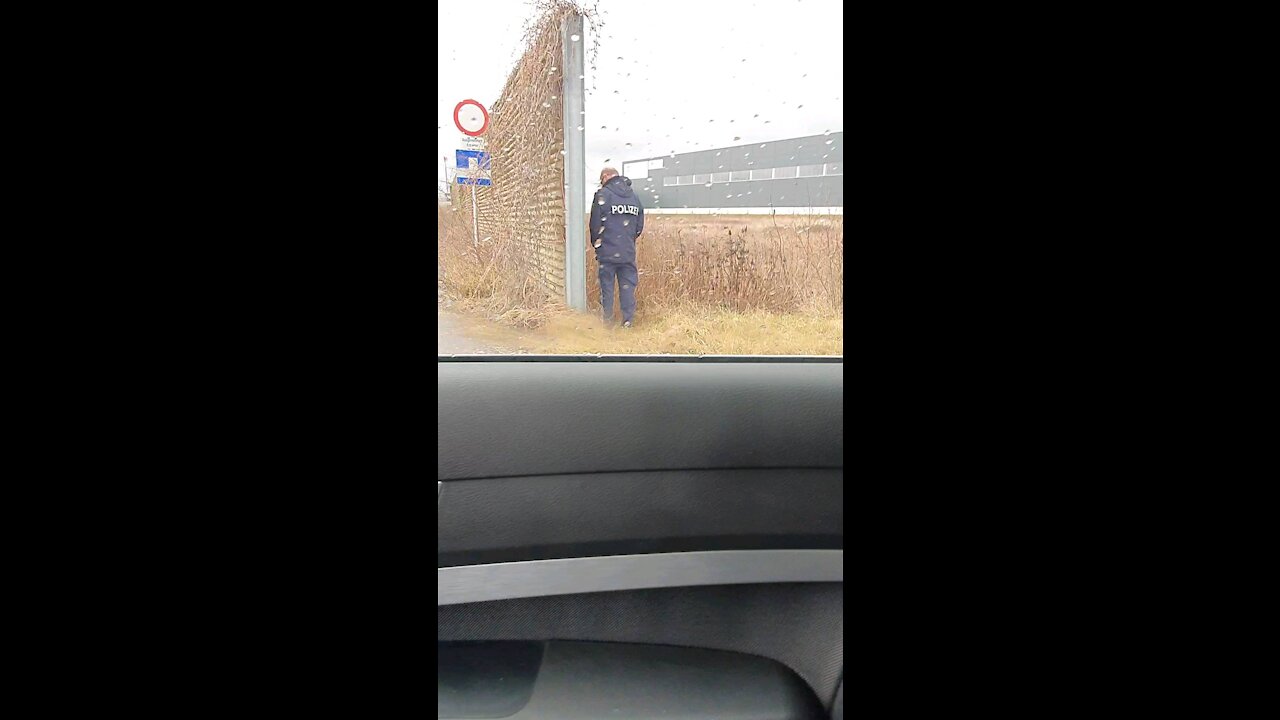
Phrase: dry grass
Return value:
(785, 266)
(789, 264)
(694, 330)
(691, 330)
(488, 278)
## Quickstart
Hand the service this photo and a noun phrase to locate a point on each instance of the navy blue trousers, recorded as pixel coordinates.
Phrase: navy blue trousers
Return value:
(626, 276)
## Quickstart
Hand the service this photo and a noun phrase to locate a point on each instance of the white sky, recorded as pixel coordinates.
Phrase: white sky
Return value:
(676, 65)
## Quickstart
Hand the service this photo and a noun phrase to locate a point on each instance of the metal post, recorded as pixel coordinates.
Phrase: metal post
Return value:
(575, 168)
(475, 223)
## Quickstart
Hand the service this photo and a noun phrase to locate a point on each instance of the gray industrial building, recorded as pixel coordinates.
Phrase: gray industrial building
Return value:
(782, 176)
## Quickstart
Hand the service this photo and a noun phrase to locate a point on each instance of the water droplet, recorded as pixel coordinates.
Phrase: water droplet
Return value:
(799, 106)
(737, 137)
(628, 144)
(717, 154)
(546, 104)
(553, 68)
(707, 185)
(827, 132)
(553, 97)
(600, 201)
(580, 128)
(574, 38)
(763, 144)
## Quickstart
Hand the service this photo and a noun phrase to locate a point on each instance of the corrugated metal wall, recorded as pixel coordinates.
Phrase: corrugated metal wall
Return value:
(815, 150)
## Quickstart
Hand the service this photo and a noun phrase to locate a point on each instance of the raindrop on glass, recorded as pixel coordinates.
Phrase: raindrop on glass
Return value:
(763, 144)
(827, 132)
(628, 144)
(574, 38)
(546, 104)
(737, 137)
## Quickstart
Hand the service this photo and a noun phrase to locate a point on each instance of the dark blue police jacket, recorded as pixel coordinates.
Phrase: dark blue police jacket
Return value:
(617, 219)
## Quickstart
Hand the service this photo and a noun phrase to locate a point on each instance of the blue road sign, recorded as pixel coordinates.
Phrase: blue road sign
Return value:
(473, 167)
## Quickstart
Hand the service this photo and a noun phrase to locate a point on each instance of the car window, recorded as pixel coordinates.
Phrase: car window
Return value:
(660, 178)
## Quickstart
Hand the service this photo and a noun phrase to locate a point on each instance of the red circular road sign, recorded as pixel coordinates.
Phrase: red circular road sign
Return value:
(471, 118)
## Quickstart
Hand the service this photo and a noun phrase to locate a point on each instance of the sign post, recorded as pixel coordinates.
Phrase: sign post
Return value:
(471, 118)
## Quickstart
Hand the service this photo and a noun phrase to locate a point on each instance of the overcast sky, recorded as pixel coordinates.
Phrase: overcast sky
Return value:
(672, 75)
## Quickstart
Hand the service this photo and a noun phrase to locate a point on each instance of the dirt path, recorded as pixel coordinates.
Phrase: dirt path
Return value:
(453, 340)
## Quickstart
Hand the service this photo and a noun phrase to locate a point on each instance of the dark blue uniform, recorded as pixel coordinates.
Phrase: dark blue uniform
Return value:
(617, 219)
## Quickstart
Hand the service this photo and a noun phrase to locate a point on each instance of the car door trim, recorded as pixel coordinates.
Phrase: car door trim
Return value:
(567, 576)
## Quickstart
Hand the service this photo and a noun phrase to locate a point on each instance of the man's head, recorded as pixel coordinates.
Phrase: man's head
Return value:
(606, 174)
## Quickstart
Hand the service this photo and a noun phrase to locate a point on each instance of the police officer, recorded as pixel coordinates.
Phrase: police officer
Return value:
(617, 219)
